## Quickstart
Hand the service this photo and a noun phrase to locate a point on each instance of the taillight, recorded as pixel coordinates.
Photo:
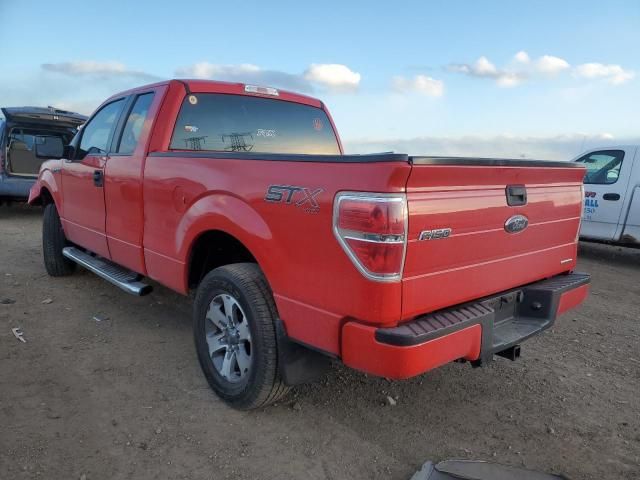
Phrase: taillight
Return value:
(372, 230)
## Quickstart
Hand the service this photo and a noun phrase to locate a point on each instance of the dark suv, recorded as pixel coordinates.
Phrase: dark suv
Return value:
(28, 136)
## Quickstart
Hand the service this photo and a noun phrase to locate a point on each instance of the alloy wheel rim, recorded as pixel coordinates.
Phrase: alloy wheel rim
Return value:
(228, 338)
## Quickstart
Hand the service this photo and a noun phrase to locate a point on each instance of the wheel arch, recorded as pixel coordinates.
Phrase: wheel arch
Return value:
(46, 190)
(212, 249)
(229, 224)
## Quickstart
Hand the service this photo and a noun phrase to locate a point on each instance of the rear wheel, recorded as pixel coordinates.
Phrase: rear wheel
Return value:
(235, 336)
(53, 241)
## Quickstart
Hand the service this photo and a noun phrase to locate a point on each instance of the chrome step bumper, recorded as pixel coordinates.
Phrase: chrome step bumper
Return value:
(121, 277)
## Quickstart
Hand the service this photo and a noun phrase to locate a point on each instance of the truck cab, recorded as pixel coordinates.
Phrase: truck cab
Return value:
(612, 195)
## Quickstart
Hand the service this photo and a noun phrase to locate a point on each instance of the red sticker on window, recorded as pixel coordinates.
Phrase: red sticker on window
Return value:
(317, 124)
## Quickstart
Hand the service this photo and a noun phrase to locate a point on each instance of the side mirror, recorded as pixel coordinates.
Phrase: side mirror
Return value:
(612, 176)
(49, 147)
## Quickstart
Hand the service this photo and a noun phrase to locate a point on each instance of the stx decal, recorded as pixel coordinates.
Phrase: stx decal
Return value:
(302, 197)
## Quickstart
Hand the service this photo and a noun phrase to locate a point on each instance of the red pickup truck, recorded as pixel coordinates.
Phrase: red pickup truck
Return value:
(298, 253)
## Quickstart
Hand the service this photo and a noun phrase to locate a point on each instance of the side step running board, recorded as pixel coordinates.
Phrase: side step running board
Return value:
(121, 277)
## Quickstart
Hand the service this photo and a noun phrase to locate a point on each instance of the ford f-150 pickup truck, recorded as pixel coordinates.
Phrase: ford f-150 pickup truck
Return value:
(298, 253)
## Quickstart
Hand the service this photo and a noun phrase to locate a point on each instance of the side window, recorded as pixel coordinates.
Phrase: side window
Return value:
(96, 133)
(603, 167)
(133, 127)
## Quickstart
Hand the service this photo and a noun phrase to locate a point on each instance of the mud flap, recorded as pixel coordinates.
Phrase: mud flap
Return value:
(298, 364)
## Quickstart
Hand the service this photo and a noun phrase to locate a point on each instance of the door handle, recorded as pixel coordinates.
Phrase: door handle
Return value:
(611, 196)
(516, 195)
(98, 178)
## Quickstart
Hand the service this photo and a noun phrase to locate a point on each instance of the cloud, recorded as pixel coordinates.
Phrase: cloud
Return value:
(483, 68)
(559, 147)
(78, 86)
(614, 74)
(419, 83)
(333, 76)
(521, 68)
(551, 65)
(245, 73)
(209, 70)
(94, 68)
(509, 79)
(522, 57)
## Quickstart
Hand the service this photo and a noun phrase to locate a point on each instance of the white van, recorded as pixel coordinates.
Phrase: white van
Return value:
(612, 195)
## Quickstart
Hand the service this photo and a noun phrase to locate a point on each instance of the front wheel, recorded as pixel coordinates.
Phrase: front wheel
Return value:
(235, 336)
(53, 241)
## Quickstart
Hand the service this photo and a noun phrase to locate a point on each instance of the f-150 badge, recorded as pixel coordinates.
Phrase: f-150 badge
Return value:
(301, 197)
(434, 234)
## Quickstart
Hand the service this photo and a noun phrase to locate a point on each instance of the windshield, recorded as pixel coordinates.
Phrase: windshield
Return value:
(240, 123)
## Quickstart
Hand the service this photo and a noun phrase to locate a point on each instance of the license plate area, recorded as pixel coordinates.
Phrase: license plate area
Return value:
(505, 306)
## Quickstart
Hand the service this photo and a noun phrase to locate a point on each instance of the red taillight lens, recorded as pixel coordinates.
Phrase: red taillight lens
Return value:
(380, 217)
(372, 230)
(378, 257)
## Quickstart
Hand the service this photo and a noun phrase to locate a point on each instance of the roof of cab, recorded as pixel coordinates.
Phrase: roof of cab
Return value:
(215, 86)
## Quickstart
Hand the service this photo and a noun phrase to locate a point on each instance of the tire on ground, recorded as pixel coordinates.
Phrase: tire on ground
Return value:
(53, 241)
(246, 283)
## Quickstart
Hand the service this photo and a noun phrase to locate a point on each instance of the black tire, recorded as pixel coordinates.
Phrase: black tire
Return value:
(53, 241)
(246, 284)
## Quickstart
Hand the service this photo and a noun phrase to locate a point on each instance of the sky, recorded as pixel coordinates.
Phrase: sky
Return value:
(543, 79)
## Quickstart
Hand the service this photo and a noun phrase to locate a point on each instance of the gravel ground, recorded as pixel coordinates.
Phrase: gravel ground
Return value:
(122, 396)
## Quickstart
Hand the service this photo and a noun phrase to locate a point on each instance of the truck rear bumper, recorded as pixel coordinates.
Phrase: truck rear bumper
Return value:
(15, 188)
(473, 331)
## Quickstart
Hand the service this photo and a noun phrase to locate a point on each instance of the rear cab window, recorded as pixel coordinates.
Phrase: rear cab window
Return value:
(241, 123)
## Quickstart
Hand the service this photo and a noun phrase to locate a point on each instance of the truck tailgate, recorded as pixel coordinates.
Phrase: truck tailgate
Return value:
(478, 256)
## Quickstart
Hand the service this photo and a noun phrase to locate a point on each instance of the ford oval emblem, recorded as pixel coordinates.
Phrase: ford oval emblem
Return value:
(516, 224)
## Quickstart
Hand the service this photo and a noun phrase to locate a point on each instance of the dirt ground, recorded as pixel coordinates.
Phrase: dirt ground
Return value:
(123, 397)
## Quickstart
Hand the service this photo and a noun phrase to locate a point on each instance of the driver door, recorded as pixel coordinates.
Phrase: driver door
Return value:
(605, 188)
(83, 215)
